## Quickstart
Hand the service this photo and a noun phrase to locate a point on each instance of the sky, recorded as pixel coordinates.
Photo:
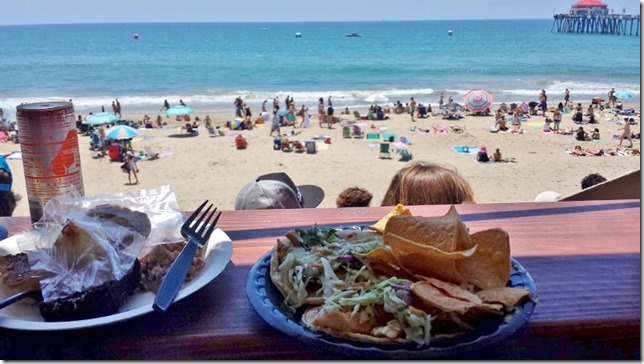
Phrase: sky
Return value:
(17, 12)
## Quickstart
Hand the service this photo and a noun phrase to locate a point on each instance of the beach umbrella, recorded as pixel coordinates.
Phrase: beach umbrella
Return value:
(282, 113)
(100, 118)
(121, 132)
(178, 110)
(623, 94)
(236, 123)
(477, 100)
(376, 98)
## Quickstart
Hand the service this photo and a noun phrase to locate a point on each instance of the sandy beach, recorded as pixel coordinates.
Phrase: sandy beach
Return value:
(204, 167)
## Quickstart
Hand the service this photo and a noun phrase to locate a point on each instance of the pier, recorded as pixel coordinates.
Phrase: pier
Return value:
(592, 16)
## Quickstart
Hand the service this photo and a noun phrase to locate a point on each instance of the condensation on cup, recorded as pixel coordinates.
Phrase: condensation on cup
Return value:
(50, 154)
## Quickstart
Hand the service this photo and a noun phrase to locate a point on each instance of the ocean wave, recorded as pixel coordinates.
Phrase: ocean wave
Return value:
(219, 101)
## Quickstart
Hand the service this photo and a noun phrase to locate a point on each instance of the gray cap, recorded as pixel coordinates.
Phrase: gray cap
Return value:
(277, 191)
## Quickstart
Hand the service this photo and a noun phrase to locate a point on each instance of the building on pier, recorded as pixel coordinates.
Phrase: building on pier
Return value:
(594, 16)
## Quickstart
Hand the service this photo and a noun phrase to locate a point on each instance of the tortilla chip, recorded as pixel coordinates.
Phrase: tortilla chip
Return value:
(507, 296)
(453, 290)
(427, 260)
(380, 225)
(490, 266)
(446, 233)
(431, 296)
(382, 261)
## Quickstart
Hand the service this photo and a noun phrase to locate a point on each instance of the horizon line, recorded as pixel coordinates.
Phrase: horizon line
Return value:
(274, 21)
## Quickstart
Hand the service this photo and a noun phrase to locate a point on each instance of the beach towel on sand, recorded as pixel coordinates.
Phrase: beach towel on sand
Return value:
(466, 149)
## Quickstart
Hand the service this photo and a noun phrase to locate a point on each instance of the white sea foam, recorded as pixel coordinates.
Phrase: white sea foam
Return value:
(218, 101)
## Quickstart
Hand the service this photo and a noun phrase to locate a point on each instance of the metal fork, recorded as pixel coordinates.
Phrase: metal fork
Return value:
(197, 234)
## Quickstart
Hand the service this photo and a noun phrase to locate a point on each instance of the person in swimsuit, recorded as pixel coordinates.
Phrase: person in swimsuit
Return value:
(626, 133)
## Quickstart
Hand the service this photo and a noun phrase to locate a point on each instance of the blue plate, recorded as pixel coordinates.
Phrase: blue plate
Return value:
(267, 301)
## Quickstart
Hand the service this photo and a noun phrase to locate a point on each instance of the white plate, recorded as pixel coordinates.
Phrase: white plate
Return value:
(27, 317)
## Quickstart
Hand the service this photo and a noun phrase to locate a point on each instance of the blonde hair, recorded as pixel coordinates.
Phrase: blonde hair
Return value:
(425, 183)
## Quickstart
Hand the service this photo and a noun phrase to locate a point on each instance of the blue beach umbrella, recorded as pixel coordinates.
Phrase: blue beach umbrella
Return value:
(100, 118)
(282, 112)
(121, 132)
(624, 94)
(178, 110)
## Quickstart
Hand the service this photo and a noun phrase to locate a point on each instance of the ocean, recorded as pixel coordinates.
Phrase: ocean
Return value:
(208, 65)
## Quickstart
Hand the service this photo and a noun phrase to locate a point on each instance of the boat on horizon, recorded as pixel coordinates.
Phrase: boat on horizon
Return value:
(298, 35)
(354, 34)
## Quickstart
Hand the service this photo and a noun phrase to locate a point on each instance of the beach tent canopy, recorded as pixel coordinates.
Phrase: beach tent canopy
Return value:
(178, 110)
(100, 118)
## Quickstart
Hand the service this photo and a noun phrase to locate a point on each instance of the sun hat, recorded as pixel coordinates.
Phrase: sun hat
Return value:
(277, 191)
(483, 149)
(548, 196)
(5, 185)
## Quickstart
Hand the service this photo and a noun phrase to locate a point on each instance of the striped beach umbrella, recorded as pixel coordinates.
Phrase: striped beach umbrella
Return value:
(100, 118)
(121, 132)
(477, 100)
(178, 110)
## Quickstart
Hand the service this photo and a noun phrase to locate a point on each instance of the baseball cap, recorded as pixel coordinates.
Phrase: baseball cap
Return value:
(5, 185)
(277, 191)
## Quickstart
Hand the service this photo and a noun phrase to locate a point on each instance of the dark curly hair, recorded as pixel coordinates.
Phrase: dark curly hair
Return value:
(354, 197)
(591, 180)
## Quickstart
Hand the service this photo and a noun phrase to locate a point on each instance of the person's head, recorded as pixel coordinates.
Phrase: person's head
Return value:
(483, 149)
(591, 180)
(391, 139)
(354, 197)
(425, 183)
(277, 191)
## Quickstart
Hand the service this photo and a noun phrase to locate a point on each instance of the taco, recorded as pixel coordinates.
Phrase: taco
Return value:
(308, 265)
(378, 313)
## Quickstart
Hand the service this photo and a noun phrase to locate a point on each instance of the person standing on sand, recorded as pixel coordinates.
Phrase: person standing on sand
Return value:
(166, 105)
(626, 134)
(566, 96)
(543, 102)
(440, 101)
(556, 118)
(276, 104)
(275, 124)
(612, 98)
(306, 118)
(130, 165)
(264, 105)
(118, 108)
(114, 108)
(412, 108)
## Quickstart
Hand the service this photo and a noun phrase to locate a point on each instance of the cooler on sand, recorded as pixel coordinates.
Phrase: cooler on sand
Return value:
(113, 152)
(310, 147)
